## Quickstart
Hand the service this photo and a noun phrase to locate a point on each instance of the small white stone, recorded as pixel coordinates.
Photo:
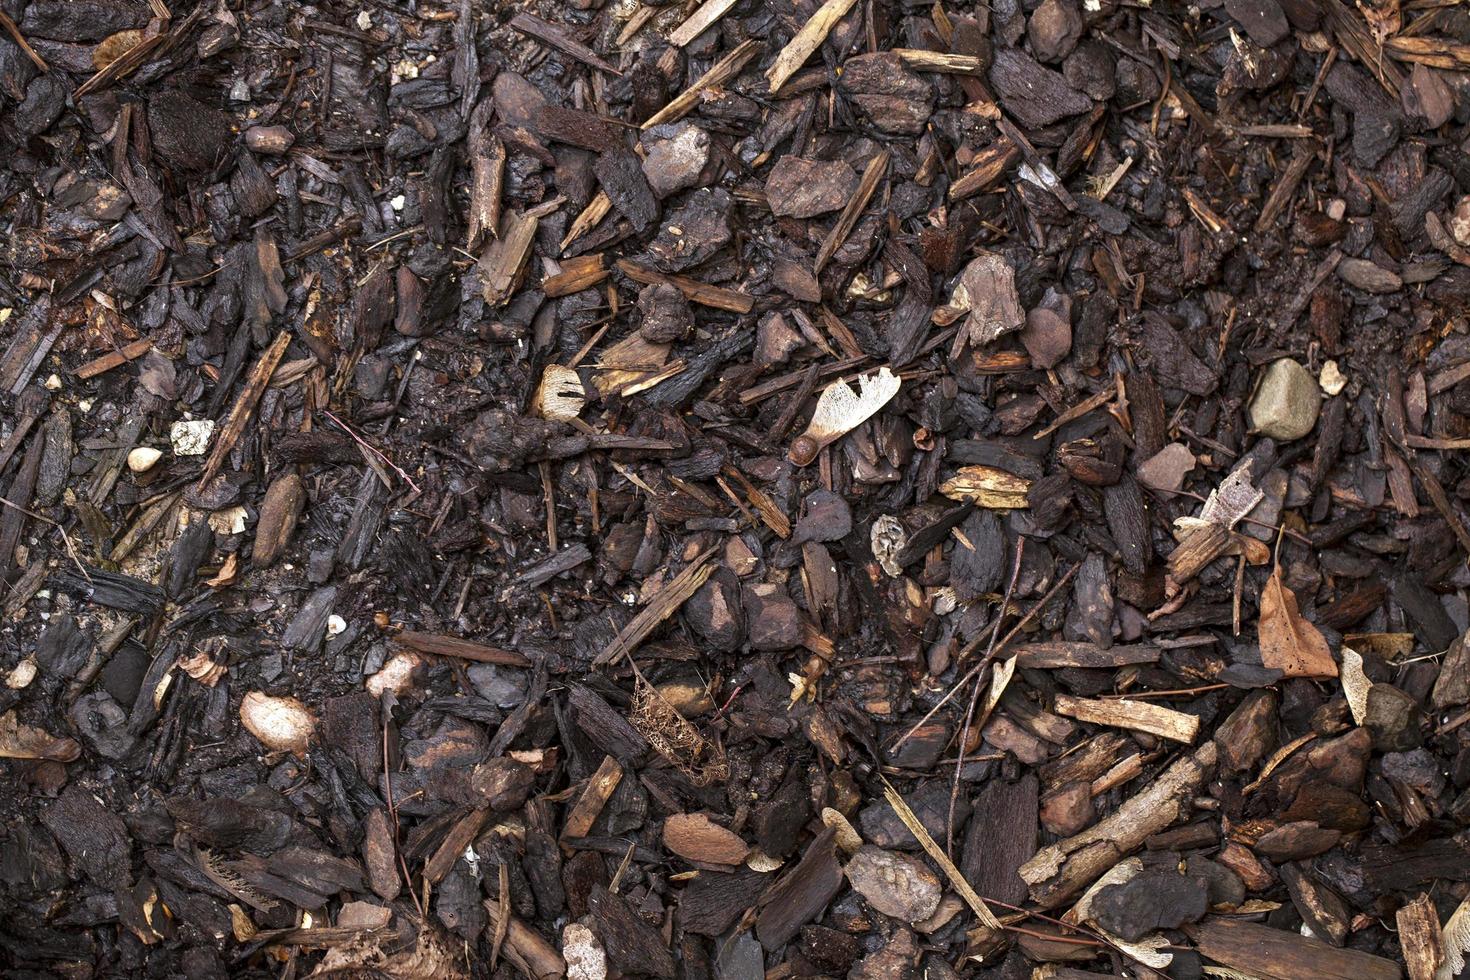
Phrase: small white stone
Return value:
(85, 405)
(1332, 379)
(53, 383)
(21, 675)
(398, 202)
(364, 21)
(335, 624)
(585, 957)
(141, 460)
(191, 438)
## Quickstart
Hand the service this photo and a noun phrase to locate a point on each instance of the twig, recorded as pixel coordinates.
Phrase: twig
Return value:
(66, 539)
(372, 449)
(13, 30)
(954, 790)
(975, 643)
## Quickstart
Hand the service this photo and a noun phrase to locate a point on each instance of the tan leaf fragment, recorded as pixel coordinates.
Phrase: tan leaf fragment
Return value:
(840, 410)
(19, 741)
(1355, 684)
(1289, 643)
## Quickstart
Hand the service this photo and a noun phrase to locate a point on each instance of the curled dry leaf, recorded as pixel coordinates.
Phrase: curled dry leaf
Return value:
(1289, 643)
(987, 486)
(561, 395)
(281, 724)
(840, 410)
(19, 741)
(202, 667)
(1355, 684)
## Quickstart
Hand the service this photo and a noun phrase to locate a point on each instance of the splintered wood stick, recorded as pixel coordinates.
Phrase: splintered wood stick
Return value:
(116, 358)
(938, 61)
(986, 170)
(663, 605)
(501, 265)
(1136, 715)
(956, 878)
(556, 36)
(806, 41)
(453, 646)
(589, 805)
(719, 73)
(525, 948)
(700, 21)
(877, 167)
(1058, 872)
(693, 290)
(255, 384)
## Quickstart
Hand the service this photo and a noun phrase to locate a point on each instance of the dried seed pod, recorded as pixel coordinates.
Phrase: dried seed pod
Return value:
(281, 724)
(840, 410)
(279, 513)
(1097, 463)
(561, 395)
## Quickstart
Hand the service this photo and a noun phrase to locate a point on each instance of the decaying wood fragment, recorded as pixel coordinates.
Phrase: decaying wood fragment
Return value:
(1138, 715)
(1062, 870)
(229, 433)
(504, 259)
(1274, 954)
(1418, 924)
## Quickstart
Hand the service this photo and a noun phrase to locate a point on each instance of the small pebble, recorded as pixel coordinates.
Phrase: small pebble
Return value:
(895, 884)
(1332, 379)
(141, 460)
(1286, 402)
(191, 438)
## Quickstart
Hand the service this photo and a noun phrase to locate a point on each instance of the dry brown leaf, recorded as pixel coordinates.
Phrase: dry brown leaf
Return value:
(694, 837)
(19, 741)
(1289, 643)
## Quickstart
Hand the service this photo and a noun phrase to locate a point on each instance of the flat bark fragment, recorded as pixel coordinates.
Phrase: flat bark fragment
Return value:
(1274, 954)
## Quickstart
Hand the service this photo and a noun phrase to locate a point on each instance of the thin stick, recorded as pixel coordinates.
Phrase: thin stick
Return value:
(372, 449)
(954, 790)
(71, 552)
(13, 30)
(975, 643)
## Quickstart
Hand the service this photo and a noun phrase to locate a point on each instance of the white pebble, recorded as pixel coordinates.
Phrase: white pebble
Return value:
(141, 460)
(191, 438)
